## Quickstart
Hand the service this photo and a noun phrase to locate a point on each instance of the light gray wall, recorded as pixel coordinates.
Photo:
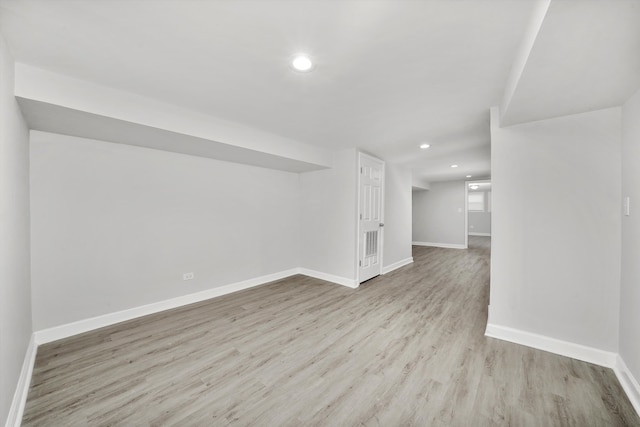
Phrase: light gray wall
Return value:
(555, 259)
(328, 217)
(397, 214)
(15, 293)
(115, 226)
(438, 214)
(480, 222)
(630, 280)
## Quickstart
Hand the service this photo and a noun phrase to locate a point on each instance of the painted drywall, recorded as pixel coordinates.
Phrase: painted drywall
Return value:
(60, 104)
(536, 20)
(418, 183)
(630, 275)
(555, 258)
(328, 207)
(115, 226)
(597, 44)
(438, 214)
(397, 214)
(15, 292)
(480, 222)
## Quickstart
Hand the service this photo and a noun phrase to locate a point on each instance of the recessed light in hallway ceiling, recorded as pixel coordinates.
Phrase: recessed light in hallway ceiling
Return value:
(302, 63)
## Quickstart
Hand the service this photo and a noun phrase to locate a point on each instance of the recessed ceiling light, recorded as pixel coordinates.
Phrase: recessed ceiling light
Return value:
(468, 176)
(424, 146)
(454, 166)
(474, 187)
(302, 63)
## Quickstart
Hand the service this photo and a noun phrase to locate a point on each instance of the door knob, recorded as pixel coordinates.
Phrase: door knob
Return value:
(382, 224)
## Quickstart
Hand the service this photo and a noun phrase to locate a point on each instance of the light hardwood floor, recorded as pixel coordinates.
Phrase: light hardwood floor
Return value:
(403, 349)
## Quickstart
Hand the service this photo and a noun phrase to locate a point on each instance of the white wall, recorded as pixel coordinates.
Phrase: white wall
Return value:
(60, 104)
(438, 214)
(480, 222)
(328, 209)
(15, 303)
(397, 215)
(418, 183)
(555, 262)
(630, 280)
(115, 226)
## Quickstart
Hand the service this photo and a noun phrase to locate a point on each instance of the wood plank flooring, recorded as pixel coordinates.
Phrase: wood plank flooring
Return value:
(403, 349)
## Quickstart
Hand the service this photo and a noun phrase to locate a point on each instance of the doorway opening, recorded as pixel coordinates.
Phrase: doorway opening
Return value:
(478, 221)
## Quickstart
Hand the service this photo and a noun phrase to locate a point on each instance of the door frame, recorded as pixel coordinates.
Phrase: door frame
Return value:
(466, 214)
(360, 156)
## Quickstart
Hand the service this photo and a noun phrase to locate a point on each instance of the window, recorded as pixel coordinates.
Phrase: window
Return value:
(476, 202)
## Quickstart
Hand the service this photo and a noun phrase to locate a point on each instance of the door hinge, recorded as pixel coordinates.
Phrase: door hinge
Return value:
(361, 171)
(360, 263)
(360, 216)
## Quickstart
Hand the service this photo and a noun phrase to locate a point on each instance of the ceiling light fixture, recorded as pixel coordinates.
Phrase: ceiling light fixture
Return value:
(454, 166)
(424, 146)
(302, 63)
(468, 176)
(474, 187)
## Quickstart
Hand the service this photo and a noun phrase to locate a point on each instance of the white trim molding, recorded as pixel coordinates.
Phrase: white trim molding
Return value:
(552, 345)
(629, 383)
(44, 336)
(69, 329)
(397, 265)
(588, 354)
(85, 325)
(350, 283)
(440, 245)
(14, 418)
(479, 234)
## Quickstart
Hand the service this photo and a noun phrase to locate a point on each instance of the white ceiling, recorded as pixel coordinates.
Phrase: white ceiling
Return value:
(482, 186)
(389, 74)
(586, 57)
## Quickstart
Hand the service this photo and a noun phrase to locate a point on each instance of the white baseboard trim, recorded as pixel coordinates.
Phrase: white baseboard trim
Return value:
(351, 283)
(440, 245)
(85, 325)
(577, 351)
(14, 419)
(397, 265)
(67, 330)
(552, 345)
(629, 383)
(480, 234)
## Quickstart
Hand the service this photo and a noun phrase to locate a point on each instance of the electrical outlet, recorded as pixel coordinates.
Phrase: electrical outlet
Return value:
(188, 276)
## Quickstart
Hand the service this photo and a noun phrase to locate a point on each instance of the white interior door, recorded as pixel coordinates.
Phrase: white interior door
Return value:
(371, 205)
